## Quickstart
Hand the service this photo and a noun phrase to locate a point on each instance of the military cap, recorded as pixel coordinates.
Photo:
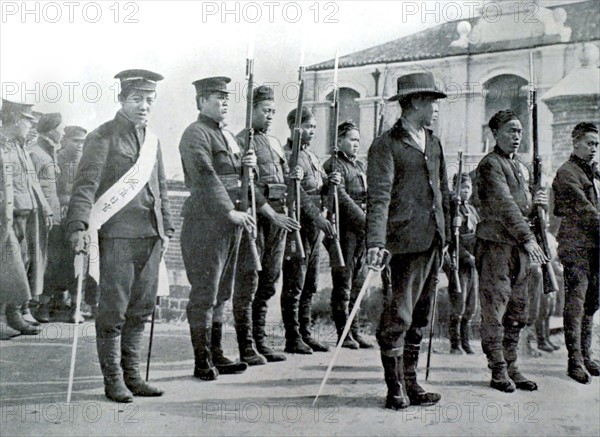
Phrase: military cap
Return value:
(583, 128)
(37, 115)
(137, 79)
(75, 132)
(500, 118)
(263, 93)
(417, 83)
(48, 122)
(306, 115)
(346, 127)
(25, 109)
(209, 85)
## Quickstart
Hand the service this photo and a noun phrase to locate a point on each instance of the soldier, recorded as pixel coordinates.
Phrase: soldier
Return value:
(134, 226)
(505, 248)
(253, 289)
(463, 303)
(210, 235)
(352, 194)
(408, 214)
(26, 218)
(301, 276)
(576, 199)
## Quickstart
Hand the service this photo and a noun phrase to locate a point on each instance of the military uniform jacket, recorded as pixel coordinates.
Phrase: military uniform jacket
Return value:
(68, 164)
(505, 199)
(352, 192)
(408, 196)
(109, 152)
(43, 155)
(576, 187)
(212, 170)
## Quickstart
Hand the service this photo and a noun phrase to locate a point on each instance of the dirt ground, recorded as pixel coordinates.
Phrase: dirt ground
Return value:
(276, 399)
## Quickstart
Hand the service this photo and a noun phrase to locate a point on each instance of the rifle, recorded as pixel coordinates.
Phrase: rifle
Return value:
(539, 221)
(381, 106)
(335, 217)
(456, 229)
(248, 199)
(295, 246)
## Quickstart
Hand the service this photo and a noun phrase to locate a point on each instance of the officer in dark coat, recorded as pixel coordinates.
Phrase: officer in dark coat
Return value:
(576, 199)
(301, 276)
(211, 231)
(253, 289)
(408, 214)
(25, 217)
(505, 248)
(352, 195)
(133, 238)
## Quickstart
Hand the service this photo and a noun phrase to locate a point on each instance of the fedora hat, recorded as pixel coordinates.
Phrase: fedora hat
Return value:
(417, 83)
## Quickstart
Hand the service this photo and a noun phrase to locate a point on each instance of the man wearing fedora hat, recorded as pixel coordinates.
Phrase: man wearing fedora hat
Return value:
(133, 224)
(408, 214)
(25, 217)
(210, 235)
(253, 289)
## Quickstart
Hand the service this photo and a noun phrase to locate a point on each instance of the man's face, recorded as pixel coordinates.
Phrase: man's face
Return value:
(215, 106)
(308, 130)
(350, 143)
(73, 146)
(24, 125)
(428, 109)
(586, 146)
(137, 106)
(32, 135)
(262, 115)
(508, 136)
(466, 189)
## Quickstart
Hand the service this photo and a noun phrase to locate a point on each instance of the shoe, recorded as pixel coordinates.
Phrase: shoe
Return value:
(251, 357)
(204, 368)
(521, 382)
(315, 345)
(297, 347)
(224, 365)
(109, 355)
(396, 398)
(6, 332)
(14, 319)
(349, 343)
(592, 366)
(131, 348)
(270, 355)
(455, 350)
(29, 318)
(500, 380)
(416, 393)
(577, 371)
(42, 313)
(363, 343)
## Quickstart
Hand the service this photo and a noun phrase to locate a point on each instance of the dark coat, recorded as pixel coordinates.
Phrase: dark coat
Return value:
(505, 199)
(408, 197)
(43, 155)
(576, 201)
(108, 153)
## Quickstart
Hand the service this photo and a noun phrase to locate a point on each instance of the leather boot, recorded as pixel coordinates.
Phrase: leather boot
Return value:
(465, 327)
(304, 317)
(203, 366)
(527, 337)
(453, 328)
(591, 365)
(131, 347)
(289, 314)
(540, 330)
(223, 364)
(259, 318)
(109, 355)
(340, 318)
(500, 380)
(416, 393)
(392, 370)
(577, 371)
(14, 319)
(26, 312)
(510, 345)
(248, 354)
(363, 343)
(555, 346)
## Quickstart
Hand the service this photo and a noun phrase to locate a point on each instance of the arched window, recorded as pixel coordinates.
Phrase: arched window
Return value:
(349, 109)
(506, 92)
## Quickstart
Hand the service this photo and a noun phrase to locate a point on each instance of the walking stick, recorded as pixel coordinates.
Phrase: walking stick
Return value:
(432, 321)
(151, 337)
(78, 264)
(372, 271)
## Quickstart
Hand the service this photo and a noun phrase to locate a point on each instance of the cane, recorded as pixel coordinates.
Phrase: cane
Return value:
(78, 263)
(433, 319)
(151, 337)
(372, 271)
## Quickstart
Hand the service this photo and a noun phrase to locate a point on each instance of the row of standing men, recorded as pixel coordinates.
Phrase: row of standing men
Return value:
(405, 211)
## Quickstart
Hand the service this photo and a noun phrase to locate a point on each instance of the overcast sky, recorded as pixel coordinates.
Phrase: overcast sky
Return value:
(65, 55)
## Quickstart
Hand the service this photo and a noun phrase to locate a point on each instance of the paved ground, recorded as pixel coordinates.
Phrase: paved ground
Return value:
(276, 399)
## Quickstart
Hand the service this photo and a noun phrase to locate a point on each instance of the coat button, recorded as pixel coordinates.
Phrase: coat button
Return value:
(425, 157)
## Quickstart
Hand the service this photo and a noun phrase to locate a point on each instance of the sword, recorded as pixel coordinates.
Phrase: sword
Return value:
(78, 263)
(373, 270)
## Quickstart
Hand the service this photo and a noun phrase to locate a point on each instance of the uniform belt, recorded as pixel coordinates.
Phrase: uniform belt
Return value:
(22, 212)
(231, 181)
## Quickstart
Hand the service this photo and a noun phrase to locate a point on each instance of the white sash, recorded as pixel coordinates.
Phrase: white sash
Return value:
(118, 196)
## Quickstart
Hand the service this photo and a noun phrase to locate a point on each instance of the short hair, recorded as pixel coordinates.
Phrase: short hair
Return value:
(583, 128)
(500, 118)
(464, 177)
(346, 127)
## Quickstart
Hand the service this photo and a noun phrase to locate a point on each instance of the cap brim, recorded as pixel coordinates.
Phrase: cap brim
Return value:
(438, 94)
(29, 116)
